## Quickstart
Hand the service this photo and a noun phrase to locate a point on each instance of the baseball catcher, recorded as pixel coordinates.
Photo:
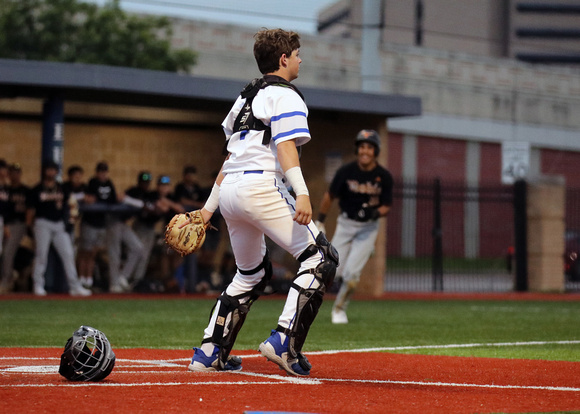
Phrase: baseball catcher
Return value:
(185, 233)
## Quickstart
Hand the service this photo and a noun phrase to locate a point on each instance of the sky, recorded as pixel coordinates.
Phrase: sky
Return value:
(297, 15)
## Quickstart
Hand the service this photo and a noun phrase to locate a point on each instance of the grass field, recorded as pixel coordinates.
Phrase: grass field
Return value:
(178, 323)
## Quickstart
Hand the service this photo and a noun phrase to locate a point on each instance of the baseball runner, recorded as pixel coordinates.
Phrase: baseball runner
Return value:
(265, 126)
(364, 191)
(46, 211)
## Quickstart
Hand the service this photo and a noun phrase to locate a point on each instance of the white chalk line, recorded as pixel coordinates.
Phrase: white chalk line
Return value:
(278, 379)
(298, 381)
(448, 346)
(143, 384)
(169, 363)
(454, 384)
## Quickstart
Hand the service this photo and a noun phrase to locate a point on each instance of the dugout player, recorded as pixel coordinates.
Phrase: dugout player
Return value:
(94, 225)
(365, 191)
(46, 214)
(263, 129)
(15, 222)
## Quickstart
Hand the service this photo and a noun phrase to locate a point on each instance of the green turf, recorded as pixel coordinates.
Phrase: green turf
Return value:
(179, 323)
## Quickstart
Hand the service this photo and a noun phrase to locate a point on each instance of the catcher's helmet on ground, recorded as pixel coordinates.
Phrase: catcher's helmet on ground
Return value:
(371, 136)
(87, 356)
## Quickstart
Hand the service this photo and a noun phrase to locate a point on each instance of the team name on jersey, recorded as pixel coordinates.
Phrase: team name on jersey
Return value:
(50, 196)
(364, 188)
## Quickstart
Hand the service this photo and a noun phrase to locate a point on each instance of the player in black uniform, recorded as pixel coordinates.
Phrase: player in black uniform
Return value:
(364, 191)
(188, 192)
(46, 213)
(15, 222)
(74, 191)
(100, 190)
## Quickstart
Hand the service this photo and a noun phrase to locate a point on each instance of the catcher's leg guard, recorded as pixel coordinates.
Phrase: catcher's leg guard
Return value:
(310, 298)
(233, 310)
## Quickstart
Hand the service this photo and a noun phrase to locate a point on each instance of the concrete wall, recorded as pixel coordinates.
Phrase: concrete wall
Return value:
(450, 83)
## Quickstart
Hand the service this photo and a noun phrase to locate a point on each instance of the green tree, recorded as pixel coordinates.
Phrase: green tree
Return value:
(73, 31)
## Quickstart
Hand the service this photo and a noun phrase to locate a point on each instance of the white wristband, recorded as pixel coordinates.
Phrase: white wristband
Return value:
(296, 180)
(213, 200)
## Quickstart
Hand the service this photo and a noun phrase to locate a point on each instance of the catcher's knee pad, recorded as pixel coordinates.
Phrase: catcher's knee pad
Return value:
(232, 311)
(310, 298)
(325, 270)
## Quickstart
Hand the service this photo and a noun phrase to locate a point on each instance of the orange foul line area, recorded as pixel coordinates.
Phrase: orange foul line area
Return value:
(149, 380)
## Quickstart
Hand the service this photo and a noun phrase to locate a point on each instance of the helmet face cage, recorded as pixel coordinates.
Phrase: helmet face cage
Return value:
(87, 356)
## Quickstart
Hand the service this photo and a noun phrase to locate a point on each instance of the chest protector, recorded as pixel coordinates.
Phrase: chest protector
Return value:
(246, 120)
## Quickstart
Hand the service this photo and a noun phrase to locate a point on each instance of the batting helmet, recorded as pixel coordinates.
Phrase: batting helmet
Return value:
(371, 136)
(87, 356)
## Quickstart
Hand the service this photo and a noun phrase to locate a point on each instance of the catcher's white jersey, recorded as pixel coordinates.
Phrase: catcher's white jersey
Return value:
(278, 107)
(254, 200)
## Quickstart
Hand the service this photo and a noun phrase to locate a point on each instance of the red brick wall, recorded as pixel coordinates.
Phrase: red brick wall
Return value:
(443, 158)
(566, 163)
(495, 218)
(490, 164)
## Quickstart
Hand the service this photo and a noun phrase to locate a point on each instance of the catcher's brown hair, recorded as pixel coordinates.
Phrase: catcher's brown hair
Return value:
(270, 45)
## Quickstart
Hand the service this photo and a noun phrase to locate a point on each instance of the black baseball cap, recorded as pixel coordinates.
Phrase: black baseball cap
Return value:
(49, 164)
(189, 169)
(102, 166)
(15, 167)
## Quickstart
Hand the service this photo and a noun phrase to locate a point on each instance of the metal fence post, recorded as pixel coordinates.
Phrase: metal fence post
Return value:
(437, 265)
(520, 236)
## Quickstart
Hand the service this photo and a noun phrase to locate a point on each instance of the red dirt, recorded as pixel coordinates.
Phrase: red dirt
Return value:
(339, 383)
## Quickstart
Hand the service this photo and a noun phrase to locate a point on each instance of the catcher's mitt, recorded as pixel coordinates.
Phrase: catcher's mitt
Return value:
(189, 238)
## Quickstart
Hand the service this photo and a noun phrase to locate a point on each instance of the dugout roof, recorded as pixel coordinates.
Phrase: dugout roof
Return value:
(126, 86)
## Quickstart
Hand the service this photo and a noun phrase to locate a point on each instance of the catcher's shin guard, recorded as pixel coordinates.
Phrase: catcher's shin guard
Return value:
(310, 298)
(233, 310)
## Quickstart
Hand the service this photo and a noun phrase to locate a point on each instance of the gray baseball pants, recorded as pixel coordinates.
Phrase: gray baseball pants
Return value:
(355, 242)
(47, 232)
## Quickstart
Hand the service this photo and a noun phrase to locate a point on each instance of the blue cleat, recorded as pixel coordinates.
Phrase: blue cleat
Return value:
(277, 352)
(203, 363)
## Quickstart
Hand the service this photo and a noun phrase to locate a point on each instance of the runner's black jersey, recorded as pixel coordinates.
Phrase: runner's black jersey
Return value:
(357, 189)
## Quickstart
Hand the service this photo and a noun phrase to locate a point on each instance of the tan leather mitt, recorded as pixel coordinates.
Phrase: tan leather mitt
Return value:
(189, 238)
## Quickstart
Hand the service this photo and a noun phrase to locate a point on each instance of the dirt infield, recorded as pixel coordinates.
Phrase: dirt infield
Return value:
(148, 380)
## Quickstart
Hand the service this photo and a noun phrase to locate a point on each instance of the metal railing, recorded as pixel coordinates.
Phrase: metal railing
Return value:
(444, 236)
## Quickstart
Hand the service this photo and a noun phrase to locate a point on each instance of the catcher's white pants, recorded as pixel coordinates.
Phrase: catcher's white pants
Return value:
(254, 205)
